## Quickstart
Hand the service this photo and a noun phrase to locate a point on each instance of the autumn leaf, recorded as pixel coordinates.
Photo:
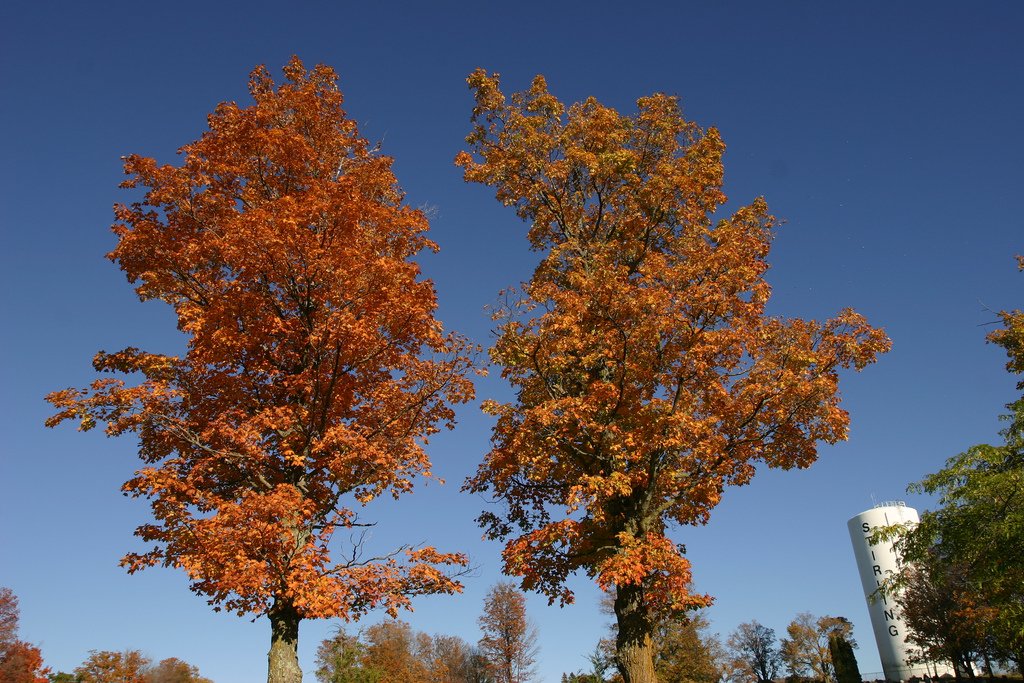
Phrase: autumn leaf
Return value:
(647, 375)
(315, 368)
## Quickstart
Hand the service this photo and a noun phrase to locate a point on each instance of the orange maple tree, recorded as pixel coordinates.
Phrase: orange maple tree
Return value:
(315, 368)
(105, 666)
(509, 639)
(20, 662)
(174, 670)
(648, 375)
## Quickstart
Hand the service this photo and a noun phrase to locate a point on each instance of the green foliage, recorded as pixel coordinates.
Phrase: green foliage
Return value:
(581, 678)
(390, 651)
(806, 650)
(972, 546)
(844, 662)
(686, 651)
(340, 660)
(976, 533)
(602, 660)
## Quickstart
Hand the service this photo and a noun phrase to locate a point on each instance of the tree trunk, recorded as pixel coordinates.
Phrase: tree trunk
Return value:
(634, 646)
(284, 643)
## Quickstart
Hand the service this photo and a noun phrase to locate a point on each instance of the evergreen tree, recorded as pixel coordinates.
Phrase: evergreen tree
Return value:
(844, 662)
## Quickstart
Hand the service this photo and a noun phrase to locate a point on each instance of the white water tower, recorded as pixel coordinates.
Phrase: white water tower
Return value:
(875, 563)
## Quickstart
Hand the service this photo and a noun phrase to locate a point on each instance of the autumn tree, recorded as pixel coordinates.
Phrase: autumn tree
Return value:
(686, 651)
(1011, 336)
(806, 650)
(647, 375)
(509, 639)
(945, 618)
(391, 648)
(20, 662)
(173, 670)
(9, 614)
(104, 666)
(392, 651)
(315, 369)
(448, 659)
(755, 654)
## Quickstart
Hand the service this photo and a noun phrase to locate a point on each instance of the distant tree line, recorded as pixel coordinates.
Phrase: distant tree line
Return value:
(687, 651)
(392, 652)
(22, 662)
(130, 666)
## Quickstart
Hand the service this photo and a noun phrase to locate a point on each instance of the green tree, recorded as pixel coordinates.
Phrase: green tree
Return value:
(844, 661)
(686, 651)
(978, 530)
(806, 650)
(976, 533)
(477, 669)
(340, 660)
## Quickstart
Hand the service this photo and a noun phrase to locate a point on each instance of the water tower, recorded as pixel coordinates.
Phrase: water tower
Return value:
(875, 563)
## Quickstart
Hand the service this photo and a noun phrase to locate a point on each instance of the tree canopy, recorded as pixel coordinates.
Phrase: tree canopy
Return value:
(20, 662)
(807, 650)
(315, 368)
(756, 657)
(647, 375)
(509, 640)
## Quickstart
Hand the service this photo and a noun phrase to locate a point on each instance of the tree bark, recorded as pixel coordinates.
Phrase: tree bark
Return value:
(284, 643)
(634, 645)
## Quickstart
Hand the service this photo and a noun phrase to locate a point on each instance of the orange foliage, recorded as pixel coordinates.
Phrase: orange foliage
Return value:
(509, 639)
(173, 670)
(1011, 338)
(20, 662)
(648, 376)
(104, 666)
(8, 615)
(315, 369)
(392, 650)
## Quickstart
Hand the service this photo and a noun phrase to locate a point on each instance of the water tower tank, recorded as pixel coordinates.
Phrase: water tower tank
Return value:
(875, 563)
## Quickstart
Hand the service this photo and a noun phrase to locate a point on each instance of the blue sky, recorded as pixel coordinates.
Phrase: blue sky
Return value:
(887, 135)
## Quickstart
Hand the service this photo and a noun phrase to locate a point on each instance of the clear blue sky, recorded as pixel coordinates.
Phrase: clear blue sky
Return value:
(888, 135)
